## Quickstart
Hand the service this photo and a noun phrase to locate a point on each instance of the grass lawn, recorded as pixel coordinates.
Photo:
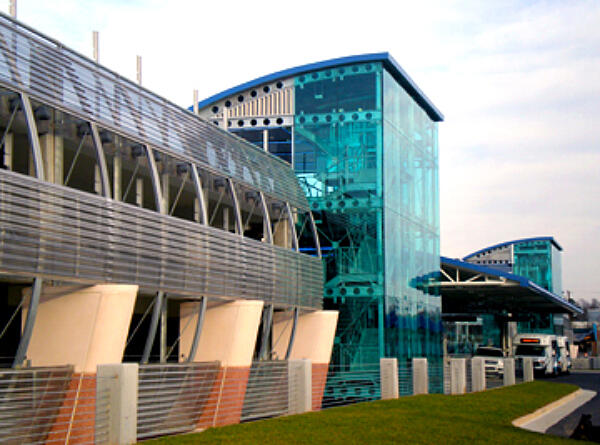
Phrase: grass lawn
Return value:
(430, 419)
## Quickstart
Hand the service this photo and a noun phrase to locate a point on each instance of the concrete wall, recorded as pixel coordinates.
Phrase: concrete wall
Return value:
(313, 341)
(81, 326)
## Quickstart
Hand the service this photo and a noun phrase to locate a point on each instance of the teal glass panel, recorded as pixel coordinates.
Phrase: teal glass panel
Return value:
(337, 158)
(533, 260)
(411, 226)
(540, 262)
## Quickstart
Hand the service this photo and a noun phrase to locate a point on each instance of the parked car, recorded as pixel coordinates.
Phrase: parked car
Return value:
(541, 348)
(493, 359)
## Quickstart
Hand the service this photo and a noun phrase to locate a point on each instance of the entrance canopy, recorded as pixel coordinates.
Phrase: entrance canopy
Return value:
(473, 289)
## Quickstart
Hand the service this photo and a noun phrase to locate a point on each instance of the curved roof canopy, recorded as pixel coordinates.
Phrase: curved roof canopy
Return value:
(473, 289)
(517, 241)
(385, 58)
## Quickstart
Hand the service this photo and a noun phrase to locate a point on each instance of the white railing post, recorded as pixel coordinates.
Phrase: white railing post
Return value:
(388, 371)
(420, 378)
(478, 374)
(509, 371)
(300, 386)
(528, 369)
(458, 376)
(120, 382)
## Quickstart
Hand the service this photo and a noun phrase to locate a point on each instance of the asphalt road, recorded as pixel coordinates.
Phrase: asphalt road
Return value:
(586, 380)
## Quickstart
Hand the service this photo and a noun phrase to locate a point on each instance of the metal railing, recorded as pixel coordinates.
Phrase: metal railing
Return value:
(172, 397)
(267, 391)
(350, 384)
(405, 378)
(51, 406)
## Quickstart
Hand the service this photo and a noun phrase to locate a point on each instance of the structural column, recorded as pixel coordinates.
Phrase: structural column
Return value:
(229, 333)
(315, 332)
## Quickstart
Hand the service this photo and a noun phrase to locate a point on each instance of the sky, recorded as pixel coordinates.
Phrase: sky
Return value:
(517, 81)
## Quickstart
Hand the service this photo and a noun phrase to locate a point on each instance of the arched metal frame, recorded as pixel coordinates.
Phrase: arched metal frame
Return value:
(200, 194)
(267, 327)
(198, 331)
(101, 159)
(156, 313)
(239, 227)
(267, 219)
(37, 281)
(313, 227)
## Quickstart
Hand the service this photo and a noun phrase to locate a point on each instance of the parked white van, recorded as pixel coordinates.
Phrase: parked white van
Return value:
(542, 348)
(564, 357)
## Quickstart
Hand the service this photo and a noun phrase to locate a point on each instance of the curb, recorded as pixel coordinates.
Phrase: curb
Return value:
(576, 399)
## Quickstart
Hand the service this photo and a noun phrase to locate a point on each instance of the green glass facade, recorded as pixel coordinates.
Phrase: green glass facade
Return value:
(366, 155)
(539, 261)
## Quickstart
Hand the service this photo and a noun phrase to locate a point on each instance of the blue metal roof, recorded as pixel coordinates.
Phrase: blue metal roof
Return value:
(523, 282)
(517, 241)
(388, 62)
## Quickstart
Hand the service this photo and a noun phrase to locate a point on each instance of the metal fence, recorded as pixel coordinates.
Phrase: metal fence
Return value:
(405, 378)
(51, 406)
(350, 384)
(267, 392)
(437, 370)
(172, 397)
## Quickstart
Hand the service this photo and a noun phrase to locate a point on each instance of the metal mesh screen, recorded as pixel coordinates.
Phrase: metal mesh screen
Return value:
(267, 390)
(172, 397)
(58, 232)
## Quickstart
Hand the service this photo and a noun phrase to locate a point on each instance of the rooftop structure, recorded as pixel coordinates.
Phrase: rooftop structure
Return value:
(362, 139)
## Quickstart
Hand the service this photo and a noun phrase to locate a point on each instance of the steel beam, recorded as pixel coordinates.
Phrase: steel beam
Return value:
(34, 140)
(267, 224)
(101, 159)
(34, 302)
(158, 200)
(200, 194)
(156, 312)
(236, 208)
(288, 352)
(264, 353)
(199, 325)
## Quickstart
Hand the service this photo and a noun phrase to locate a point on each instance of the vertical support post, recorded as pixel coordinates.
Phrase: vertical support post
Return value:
(225, 119)
(117, 175)
(199, 324)
(163, 331)
(266, 140)
(7, 152)
(458, 376)
(12, 9)
(294, 233)
(299, 386)
(420, 377)
(388, 371)
(509, 371)
(120, 383)
(196, 110)
(313, 226)
(156, 311)
(34, 302)
(527, 369)
(267, 327)
(478, 374)
(288, 352)
(96, 51)
(138, 60)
